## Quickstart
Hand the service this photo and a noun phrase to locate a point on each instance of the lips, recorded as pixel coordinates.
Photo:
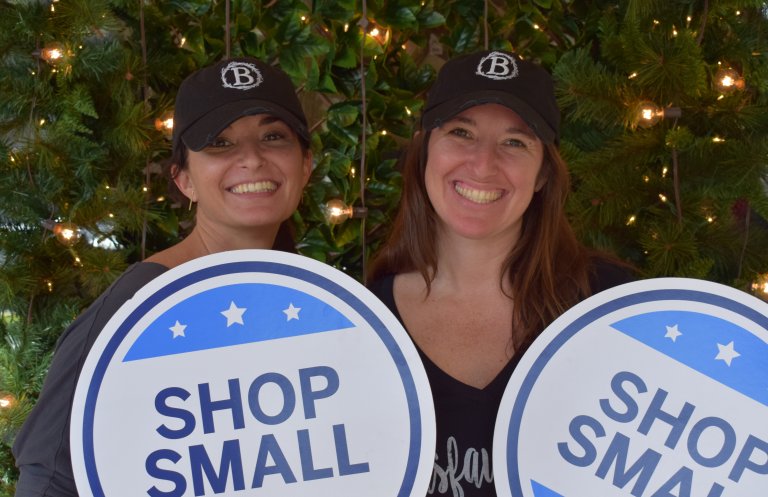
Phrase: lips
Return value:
(254, 187)
(477, 196)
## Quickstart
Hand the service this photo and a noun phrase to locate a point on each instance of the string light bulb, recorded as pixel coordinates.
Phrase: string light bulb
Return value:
(760, 286)
(7, 401)
(336, 211)
(728, 79)
(649, 114)
(53, 53)
(378, 33)
(66, 233)
(164, 124)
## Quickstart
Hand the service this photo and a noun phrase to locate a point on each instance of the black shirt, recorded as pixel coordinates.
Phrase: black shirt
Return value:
(42, 449)
(466, 415)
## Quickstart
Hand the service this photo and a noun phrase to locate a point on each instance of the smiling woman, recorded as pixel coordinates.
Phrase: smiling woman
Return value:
(481, 257)
(241, 153)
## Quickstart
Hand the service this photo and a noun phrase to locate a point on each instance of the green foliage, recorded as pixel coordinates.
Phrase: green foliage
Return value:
(78, 142)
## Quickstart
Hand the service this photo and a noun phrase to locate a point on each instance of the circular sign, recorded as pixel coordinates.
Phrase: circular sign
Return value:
(253, 370)
(657, 388)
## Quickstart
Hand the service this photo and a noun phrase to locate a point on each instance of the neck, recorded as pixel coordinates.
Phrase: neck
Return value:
(471, 265)
(211, 239)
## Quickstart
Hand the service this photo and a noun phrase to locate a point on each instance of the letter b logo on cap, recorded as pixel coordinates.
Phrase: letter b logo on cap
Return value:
(241, 76)
(497, 65)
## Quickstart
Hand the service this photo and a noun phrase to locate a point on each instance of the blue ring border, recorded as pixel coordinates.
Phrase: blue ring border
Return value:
(515, 485)
(142, 309)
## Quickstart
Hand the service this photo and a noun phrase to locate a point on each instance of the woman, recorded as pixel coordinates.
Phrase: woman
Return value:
(481, 257)
(241, 153)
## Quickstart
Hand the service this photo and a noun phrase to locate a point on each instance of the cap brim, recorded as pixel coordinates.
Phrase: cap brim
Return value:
(204, 131)
(442, 113)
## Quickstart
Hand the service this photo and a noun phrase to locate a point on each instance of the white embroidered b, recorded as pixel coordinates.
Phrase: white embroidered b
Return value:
(497, 65)
(240, 76)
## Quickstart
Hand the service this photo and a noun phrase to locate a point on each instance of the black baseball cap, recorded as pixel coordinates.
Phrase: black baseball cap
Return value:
(495, 77)
(212, 98)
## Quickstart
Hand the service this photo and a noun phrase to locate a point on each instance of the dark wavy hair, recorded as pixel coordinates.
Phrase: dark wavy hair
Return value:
(548, 268)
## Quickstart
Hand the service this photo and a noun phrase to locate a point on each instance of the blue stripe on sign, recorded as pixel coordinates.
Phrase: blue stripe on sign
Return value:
(714, 347)
(540, 490)
(262, 312)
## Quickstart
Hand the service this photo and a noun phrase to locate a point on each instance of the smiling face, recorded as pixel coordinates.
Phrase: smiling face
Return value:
(251, 176)
(482, 170)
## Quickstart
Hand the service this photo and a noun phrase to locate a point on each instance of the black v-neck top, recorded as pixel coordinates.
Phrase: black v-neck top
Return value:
(466, 415)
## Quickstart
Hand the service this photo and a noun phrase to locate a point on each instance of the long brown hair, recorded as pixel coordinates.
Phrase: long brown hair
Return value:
(548, 268)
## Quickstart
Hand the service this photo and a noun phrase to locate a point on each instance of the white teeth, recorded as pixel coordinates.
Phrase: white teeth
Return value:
(477, 196)
(257, 187)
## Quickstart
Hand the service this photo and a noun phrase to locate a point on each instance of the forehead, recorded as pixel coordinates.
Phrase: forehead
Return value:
(256, 120)
(500, 114)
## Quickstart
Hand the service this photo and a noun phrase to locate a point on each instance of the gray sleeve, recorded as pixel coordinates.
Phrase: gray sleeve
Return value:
(41, 448)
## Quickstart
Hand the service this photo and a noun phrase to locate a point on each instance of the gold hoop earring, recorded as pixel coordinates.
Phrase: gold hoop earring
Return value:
(190, 204)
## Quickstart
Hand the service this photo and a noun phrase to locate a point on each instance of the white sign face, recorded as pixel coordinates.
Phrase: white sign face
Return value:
(253, 372)
(657, 388)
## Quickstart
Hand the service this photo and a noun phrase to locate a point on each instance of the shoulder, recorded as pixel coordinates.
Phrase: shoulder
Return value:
(123, 289)
(606, 272)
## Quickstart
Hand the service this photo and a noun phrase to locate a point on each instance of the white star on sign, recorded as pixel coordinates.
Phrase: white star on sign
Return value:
(234, 314)
(178, 329)
(672, 333)
(727, 353)
(292, 312)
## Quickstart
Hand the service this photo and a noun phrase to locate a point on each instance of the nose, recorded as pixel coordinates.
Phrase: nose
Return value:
(484, 160)
(250, 154)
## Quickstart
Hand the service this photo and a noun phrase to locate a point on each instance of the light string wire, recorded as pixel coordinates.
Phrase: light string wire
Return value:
(364, 108)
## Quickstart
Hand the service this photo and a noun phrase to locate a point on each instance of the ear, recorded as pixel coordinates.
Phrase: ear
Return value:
(306, 167)
(184, 182)
(540, 182)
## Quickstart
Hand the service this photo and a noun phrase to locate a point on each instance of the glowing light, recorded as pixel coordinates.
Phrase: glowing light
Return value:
(384, 132)
(646, 179)
(710, 219)
(346, 27)
(648, 114)
(728, 79)
(633, 75)
(662, 197)
(536, 26)
(111, 215)
(760, 286)
(379, 33)
(52, 54)
(144, 189)
(631, 220)
(49, 285)
(664, 171)
(42, 121)
(164, 124)
(7, 401)
(408, 111)
(336, 211)
(717, 139)
(66, 233)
